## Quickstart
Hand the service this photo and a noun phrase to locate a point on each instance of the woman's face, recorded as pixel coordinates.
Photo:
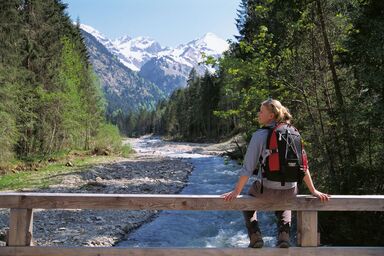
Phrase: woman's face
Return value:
(265, 116)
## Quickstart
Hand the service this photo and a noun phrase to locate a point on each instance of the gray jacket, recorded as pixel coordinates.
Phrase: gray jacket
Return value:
(255, 149)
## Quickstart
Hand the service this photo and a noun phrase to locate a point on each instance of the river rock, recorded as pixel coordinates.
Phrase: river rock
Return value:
(151, 175)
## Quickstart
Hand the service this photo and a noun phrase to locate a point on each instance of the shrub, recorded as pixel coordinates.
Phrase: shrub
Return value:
(107, 140)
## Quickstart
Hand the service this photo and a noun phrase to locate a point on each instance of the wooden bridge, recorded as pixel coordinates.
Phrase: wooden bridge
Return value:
(22, 205)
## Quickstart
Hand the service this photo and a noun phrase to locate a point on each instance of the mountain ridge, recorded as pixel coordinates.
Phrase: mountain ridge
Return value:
(128, 49)
(123, 88)
(166, 67)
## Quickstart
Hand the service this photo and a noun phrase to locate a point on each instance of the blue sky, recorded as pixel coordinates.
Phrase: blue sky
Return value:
(170, 22)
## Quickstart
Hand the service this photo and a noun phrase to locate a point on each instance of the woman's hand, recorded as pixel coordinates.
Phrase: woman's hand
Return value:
(322, 196)
(308, 181)
(229, 196)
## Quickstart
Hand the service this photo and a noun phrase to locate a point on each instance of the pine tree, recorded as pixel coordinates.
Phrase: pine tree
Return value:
(51, 99)
(241, 19)
(11, 76)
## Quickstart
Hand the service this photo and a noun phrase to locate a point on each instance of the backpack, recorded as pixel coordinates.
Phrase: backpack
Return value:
(286, 160)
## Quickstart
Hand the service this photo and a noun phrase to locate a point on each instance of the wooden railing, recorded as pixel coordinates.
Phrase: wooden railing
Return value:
(22, 205)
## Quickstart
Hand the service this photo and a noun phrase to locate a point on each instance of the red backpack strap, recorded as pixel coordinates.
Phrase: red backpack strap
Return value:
(304, 158)
(273, 159)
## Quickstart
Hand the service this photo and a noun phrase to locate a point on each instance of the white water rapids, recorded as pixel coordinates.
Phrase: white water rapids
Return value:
(212, 175)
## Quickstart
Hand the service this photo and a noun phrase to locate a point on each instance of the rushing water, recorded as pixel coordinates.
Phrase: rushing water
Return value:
(212, 175)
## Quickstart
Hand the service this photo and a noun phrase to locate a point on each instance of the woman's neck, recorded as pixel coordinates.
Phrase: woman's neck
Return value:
(271, 123)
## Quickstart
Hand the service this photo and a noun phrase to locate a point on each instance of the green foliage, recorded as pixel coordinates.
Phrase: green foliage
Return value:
(10, 77)
(50, 99)
(43, 175)
(189, 113)
(8, 130)
(8, 137)
(126, 150)
(108, 138)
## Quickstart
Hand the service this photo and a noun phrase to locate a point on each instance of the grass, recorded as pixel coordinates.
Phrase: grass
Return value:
(51, 172)
(127, 150)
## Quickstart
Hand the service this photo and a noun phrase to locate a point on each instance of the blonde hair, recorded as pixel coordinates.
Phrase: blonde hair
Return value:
(280, 112)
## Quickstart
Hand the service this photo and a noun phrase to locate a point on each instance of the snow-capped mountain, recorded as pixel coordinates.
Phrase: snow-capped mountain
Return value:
(99, 37)
(209, 44)
(171, 68)
(168, 68)
(123, 88)
(190, 54)
(135, 52)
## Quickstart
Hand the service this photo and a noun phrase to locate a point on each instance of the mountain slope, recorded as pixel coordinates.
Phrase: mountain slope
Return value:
(134, 53)
(171, 68)
(166, 73)
(123, 88)
(168, 68)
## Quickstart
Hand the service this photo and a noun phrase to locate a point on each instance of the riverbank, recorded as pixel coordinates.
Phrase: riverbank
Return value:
(230, 147)
(147, 175)
(146, 172)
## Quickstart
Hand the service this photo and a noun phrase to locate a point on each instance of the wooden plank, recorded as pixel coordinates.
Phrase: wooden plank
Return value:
(184, 202)
(308, 229)
(20, 227)
(112, 251)
(299, 227)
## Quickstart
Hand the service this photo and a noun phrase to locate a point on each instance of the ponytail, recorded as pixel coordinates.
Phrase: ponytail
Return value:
(280, 112)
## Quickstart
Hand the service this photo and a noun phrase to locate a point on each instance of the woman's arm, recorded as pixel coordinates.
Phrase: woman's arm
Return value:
(229, 196)
(251, 160)
(308, 181)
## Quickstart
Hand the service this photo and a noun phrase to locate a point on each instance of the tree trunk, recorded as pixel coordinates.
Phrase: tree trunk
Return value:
(336, 82)
(315, 82)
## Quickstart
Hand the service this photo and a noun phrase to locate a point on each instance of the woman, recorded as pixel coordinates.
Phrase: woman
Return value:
(272, 112)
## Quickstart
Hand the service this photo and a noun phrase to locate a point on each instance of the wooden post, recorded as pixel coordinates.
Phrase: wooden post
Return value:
(20, 227)
(299, 225)
(307, 228)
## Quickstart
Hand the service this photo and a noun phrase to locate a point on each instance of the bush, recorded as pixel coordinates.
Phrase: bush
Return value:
(8, 138)
(107, 140)
(126, 150)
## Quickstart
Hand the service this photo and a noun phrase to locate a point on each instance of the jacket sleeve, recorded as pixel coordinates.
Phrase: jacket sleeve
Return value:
(252, 156)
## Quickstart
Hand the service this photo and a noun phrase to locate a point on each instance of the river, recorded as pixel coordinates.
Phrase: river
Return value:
(212, 175)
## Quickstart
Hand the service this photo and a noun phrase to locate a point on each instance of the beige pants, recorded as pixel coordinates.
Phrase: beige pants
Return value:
(283, 217)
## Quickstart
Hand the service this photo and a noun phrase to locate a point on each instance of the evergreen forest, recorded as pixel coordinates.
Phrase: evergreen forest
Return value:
(51, 99)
